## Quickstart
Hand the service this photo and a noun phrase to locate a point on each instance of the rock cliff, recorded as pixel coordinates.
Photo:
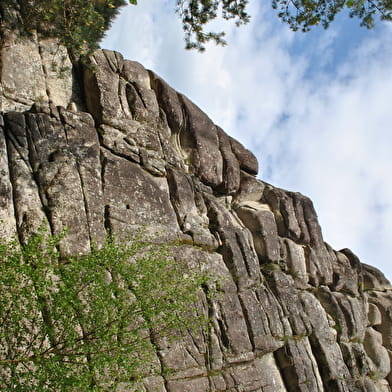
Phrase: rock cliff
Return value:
(110, 146)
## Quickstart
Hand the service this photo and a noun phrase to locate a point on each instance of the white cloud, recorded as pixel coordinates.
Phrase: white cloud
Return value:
(343, 153)
(314, 108)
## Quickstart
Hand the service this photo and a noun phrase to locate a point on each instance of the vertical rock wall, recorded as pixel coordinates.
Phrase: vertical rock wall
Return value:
(293, 314)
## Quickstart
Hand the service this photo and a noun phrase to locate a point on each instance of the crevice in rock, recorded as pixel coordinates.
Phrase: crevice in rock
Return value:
(172, 189)
(266, 306)
(136, 89)
(106, 208)
(44, 70)
(312, 267)
(288, 383)
(191, 354)
(224, 338)
(44, 206)
(10, 138)
(12, 181)
(328, 383)
(86, 207)
(243, 253)
(109, 61)
(106, 220)
(160, 359)
(184, 137)
(121, 96)
(78, 92)
(248, 324)
(207, 335)
(122, 156)
(315, 365)
(286, 369)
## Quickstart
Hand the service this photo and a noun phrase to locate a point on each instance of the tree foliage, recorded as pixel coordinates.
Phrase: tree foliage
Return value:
(304, 14)
(298, 14)
(88, 323)
(81, 24)
(78, 24)
(196, 14)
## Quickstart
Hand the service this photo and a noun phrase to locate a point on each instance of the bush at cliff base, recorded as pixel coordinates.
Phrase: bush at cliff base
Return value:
(89, 323)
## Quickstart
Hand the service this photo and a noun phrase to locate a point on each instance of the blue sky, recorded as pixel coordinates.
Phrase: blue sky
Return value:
(315, 108)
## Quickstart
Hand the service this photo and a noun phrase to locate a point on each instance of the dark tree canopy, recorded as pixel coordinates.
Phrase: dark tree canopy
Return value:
(78, 24)
(81, 24)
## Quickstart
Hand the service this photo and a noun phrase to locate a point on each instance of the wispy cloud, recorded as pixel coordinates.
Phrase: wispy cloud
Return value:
(314, 108)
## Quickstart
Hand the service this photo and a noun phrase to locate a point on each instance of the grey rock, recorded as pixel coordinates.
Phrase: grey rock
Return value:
(374, 315)
(345, 277)
(201, 144)
(34, 70)
(377, 353)
(383, 302)
(374, 279)
(261, 222)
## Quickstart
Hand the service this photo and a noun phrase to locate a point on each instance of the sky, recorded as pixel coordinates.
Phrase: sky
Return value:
(315, 108)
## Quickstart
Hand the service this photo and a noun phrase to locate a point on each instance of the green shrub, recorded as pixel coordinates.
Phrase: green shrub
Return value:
(88, 323)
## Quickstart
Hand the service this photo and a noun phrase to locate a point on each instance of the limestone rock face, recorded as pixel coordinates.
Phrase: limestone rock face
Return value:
(293, 314)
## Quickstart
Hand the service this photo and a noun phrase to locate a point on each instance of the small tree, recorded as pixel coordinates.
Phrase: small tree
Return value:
(88, 323)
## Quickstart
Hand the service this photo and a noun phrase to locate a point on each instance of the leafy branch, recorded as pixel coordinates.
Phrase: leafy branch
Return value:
(85, 323)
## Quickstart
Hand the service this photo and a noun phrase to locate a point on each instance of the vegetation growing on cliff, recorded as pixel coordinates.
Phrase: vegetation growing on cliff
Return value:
(78, 24)
(88, 323)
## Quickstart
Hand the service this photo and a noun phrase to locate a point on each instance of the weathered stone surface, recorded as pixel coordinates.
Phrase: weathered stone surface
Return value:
(83, 143)
(345, 275)
(231, 164)
(383, 302)
(201, 143)
(298, 366)
(323, 340)
(251, 189)
(18, 89)
(246, 159)
(27, 204)
(373, 279)
(133, 197)
(7, 213)
(29, 73)
(261, 222)
(190, 209)
(377, 353)
(262, 375)
(291, 313)
(169, 102)
(374, 315)
(118, 89)
(296, 262)
(288, 297)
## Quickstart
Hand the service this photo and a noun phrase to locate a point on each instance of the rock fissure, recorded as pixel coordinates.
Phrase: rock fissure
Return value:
(12, 198)
(120, 155)
(45, 72)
